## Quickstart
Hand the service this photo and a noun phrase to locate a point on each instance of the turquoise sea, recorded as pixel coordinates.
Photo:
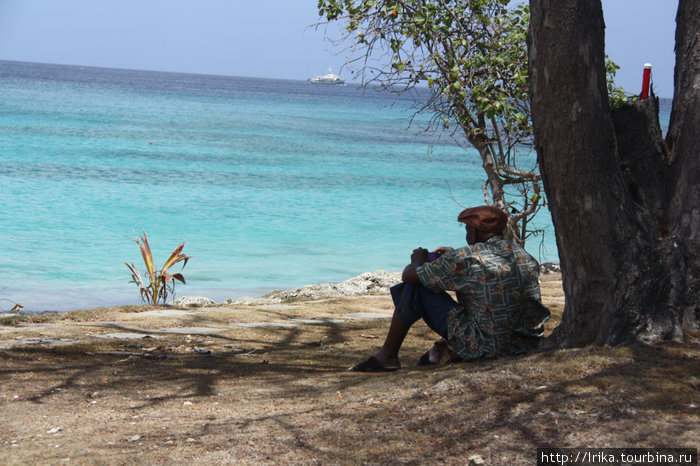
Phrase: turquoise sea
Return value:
(271, 183)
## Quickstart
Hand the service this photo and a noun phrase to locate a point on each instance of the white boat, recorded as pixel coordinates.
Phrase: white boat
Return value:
(329, 78)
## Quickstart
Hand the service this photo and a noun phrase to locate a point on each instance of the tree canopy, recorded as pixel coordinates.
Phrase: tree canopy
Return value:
(472, 55)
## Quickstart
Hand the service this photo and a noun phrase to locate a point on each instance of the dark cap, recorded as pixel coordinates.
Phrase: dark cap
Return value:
(484, 218)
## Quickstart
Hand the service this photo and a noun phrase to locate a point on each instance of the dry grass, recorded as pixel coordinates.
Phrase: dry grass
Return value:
(282, 395)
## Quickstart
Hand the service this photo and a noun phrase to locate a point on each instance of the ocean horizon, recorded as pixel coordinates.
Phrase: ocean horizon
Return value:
(272, 184)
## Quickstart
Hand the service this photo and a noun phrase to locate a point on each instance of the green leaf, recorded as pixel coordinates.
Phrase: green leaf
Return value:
(473, 54)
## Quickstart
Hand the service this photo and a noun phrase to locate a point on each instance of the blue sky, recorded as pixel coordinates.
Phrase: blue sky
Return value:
(263, 38)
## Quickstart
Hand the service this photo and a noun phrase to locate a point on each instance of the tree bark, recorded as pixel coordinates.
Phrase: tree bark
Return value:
(625, 210)
(684, 144)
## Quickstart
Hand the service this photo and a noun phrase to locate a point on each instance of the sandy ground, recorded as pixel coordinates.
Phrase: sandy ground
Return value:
(268, 384)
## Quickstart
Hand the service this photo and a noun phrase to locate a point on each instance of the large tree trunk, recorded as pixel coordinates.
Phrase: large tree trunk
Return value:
(684, 143)
(625, 210)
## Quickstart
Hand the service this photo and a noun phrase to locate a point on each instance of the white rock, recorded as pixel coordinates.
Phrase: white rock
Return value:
(549, 267)
(193, 301)
(366, 283)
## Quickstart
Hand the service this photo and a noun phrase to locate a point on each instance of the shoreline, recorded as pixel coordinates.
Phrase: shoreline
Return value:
(377, 282)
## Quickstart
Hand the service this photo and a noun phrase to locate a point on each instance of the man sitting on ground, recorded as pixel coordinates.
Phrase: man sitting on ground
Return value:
(497, 312)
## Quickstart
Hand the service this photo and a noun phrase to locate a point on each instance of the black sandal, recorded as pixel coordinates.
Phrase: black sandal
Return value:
(371, 365)
(425, 360)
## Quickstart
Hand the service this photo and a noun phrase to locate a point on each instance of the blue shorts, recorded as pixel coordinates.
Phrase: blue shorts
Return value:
(414, 302)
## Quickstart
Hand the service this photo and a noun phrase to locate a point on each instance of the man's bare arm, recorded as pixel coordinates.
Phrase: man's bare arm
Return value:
(418, 258)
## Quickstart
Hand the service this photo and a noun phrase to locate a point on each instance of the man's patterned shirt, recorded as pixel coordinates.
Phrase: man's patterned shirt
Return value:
(498, 294)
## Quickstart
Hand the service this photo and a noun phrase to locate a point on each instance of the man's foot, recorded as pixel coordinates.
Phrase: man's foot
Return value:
(375, 365)
(439, 353)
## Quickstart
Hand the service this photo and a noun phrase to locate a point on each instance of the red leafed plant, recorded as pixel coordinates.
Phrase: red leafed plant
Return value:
(162, 283)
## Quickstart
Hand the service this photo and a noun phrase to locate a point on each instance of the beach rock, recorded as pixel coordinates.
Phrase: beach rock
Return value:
(193, 301)
(366, 283)
(549, 267)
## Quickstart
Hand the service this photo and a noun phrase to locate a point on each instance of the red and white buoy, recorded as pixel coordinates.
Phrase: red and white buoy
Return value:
(646, 79)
